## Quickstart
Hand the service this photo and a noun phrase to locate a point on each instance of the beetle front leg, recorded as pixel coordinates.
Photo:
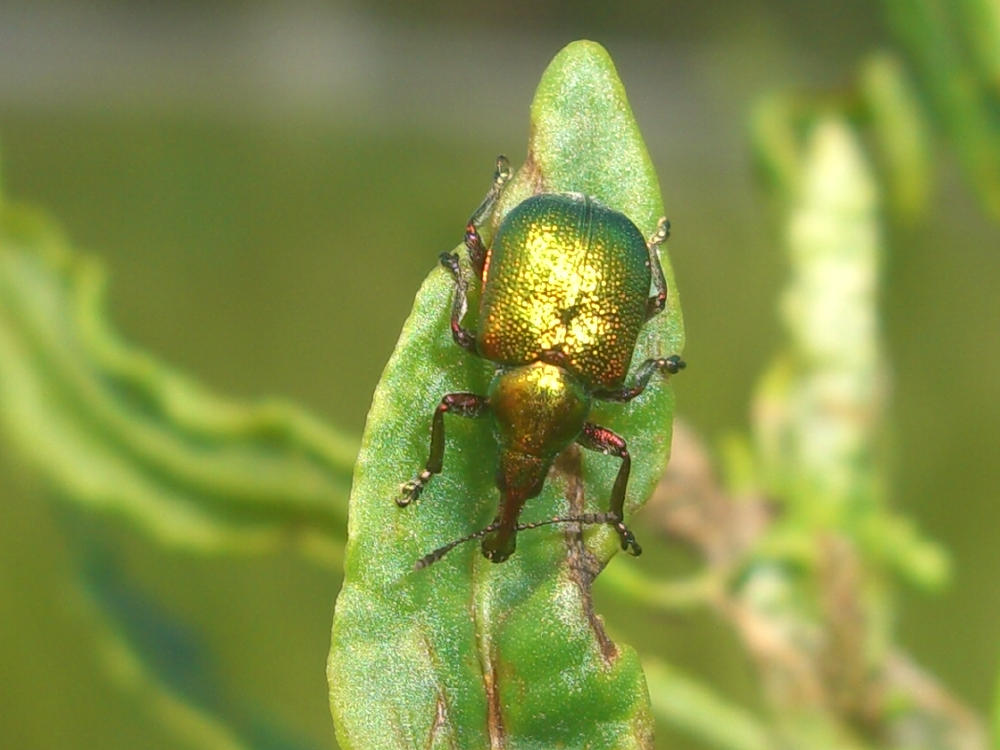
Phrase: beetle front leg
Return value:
(600, 439)
(459, 304)
(462, 404)
(473, 241)
(658, 301)
(672, 364)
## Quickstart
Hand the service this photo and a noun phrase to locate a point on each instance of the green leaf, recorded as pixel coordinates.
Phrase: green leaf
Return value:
(189, 723)
(467, 653)
(776, 142)
(980, 22)
(117, 431)
(155, 660)
(964, 103)
(900, 129)
(160, 664)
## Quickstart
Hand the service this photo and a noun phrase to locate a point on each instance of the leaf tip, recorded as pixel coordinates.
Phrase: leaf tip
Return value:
(582, 49)
(582, 60)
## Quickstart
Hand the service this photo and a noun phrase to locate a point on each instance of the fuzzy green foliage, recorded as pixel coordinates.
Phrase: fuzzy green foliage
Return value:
(117, 431)
(900, 130)
(954, 47)
(818, 575)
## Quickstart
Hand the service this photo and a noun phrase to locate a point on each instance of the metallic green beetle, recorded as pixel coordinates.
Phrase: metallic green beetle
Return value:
(565, 292)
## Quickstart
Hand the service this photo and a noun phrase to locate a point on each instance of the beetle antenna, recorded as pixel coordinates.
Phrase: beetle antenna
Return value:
(584, 518)
(628, 540)
(432, 557)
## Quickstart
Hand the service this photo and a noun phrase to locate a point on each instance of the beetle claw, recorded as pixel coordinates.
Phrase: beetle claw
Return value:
(629, 544)
(502, 172)
(662, 233)
(674, 364)
(409, 492)
(450, 263)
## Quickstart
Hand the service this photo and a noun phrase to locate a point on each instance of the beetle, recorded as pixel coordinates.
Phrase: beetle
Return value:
(564, 293)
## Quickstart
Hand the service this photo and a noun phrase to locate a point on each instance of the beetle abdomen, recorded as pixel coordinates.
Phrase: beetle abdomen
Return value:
(566, 280)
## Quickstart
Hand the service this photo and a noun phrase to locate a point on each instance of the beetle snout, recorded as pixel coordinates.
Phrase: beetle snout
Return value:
(499, 545)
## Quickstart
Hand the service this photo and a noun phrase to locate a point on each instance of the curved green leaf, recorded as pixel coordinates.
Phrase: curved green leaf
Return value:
(159, 662)
(774, 139)
(965, 104)
(467, 653)
(901, 132)
(117, 431)
(980, 24)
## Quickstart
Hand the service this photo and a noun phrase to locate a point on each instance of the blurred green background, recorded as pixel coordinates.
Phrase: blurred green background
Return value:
(268, 183)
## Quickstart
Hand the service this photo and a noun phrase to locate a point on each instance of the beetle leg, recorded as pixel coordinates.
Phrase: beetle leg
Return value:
(672, 364)
(657, 302)
(463, 404)
(459, 304)
(601, 439)
(473, 241)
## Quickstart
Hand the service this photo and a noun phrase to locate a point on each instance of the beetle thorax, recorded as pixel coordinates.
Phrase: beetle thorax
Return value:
(539, 409)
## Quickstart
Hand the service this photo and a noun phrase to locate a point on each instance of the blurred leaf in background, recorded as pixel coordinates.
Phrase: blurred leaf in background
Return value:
(952, 47)
(115, 429)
